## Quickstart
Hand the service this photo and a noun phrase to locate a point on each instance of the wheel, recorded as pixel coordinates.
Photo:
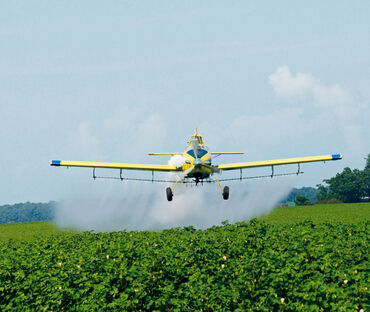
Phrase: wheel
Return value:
(169, 193)
(225, 193)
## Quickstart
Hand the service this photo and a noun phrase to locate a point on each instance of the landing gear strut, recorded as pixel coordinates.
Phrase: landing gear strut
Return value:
(169, 191)
(225, 193)
(225, 190)
(169, 194)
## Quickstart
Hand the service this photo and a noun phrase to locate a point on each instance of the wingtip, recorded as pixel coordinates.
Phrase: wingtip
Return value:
(336, 156)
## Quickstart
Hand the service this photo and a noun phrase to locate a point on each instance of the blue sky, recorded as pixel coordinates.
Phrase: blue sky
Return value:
(112, 81)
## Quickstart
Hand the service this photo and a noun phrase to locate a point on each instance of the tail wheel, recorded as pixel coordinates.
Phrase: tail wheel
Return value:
(225, 193)
(169, 193)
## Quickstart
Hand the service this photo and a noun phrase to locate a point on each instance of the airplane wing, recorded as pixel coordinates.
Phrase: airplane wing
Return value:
(68, 163)
(277, 162)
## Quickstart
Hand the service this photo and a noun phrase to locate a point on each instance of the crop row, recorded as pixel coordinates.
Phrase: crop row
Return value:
(242, 267)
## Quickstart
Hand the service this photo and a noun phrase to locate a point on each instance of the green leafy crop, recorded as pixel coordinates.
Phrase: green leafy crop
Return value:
(251, 266)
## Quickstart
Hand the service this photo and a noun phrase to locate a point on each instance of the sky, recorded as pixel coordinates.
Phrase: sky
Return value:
(114, 80)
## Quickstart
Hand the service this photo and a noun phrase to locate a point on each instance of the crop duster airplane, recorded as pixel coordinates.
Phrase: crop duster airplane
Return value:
(196, 166)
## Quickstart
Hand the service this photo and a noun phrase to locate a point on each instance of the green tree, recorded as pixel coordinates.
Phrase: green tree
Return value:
(309, 192)
(366, 177)
(301, 200)
(27, 212)
(323, 193)
(367, 166)
(348, 186)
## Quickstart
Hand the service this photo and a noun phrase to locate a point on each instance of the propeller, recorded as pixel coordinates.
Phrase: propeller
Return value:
(195, 148)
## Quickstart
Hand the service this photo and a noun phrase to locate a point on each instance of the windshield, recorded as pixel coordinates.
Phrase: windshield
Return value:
(200, 152)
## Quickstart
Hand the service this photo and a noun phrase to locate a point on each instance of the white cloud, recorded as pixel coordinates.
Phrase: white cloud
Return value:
(127, 134)
(304, 86)
(152, 131)
(123, 120)
(331, 103)
(330, 96)
(337, 100)
(288, 86)
(260, 136)
(82, 143)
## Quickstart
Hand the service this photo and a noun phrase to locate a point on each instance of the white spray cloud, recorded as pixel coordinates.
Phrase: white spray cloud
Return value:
(133, 206)
(177, 161)
(204, 206)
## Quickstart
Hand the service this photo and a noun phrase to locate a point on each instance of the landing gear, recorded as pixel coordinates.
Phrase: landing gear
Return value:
(169, 194)
(225, 190)
(225, 193)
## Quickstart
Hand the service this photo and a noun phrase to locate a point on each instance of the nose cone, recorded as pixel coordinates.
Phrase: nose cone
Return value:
(197, 161)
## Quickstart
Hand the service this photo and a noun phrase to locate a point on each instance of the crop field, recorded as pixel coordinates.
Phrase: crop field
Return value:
(346, 213)
(27, 231)
(291, 260)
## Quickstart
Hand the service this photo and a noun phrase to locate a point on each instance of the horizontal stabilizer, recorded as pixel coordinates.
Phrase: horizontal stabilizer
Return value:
(162, 154)
(212, 153)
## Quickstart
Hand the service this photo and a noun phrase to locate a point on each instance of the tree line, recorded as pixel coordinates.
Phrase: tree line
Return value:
(27, 212)
(349, 186)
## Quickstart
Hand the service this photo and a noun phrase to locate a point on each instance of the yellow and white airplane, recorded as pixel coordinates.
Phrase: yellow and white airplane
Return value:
(196, 166)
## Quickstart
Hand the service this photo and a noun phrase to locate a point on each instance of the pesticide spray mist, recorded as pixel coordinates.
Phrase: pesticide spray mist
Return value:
(137, 206)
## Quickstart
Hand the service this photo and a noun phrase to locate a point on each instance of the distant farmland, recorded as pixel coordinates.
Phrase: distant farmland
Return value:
(347, 213)
(297, 258)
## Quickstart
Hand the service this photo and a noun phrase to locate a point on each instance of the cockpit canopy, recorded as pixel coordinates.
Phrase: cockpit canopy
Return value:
(196, 138)
(196, 146)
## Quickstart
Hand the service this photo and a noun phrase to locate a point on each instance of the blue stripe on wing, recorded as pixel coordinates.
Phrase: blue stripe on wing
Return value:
(336, 156)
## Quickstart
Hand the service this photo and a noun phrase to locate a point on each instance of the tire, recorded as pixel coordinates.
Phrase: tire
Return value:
(225, 193)
(169, 194)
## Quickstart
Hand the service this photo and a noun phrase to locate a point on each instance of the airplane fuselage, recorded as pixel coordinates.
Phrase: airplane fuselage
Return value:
(198, 158)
